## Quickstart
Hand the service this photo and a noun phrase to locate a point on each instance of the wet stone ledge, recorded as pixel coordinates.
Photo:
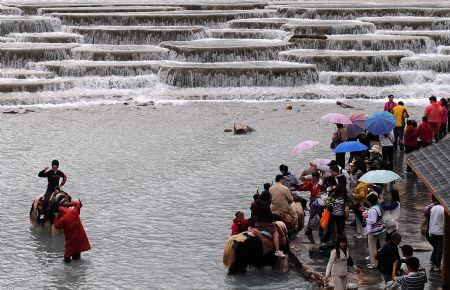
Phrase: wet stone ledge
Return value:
(237, 74)
(145, 35)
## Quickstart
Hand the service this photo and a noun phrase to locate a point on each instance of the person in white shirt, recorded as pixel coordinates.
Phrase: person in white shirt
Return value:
(337, 265)
(387, 145)
(436, 230)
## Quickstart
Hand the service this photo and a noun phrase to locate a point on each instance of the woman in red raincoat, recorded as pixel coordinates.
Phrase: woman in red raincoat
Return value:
(76, 240)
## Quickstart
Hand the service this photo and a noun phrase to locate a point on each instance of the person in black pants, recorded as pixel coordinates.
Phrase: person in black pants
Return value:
(53, 176)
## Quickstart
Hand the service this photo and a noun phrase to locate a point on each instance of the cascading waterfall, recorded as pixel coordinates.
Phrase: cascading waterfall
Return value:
(328, 27)
(225, 50)
(20, 24)
(125, 35)
(47, 37)
(249, 34)
(417, 44)
(74, 68)
(349, 61)
(350, 13)
(237, 74)
(15, 55)
(305, 50)
(120, 52)
(438, 63)
(215, 18)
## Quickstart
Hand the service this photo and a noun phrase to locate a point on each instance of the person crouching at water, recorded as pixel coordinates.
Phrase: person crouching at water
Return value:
(76, 240)
(264, 220)
(337, 265)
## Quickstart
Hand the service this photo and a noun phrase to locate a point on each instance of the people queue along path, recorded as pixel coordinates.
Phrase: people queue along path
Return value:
(335, 190)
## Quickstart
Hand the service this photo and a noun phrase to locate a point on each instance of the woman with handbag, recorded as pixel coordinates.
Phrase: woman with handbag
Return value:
(338, 263)
(391, 214)
(375, 228)
(337, 217)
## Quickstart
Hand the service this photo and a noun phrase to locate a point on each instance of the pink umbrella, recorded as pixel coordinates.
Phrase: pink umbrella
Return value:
(303, 146)
(337, 118)
(357, 126)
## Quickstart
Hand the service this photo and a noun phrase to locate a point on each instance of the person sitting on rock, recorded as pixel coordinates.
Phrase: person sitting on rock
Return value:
(240, 223)
(53, 176)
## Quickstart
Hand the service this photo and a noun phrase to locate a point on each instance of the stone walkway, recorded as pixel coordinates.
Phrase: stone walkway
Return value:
(413, 197)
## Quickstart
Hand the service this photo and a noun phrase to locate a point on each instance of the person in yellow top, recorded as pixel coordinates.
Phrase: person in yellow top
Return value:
(400, 114)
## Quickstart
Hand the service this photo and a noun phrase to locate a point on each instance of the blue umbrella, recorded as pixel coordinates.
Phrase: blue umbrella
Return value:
(380, 123)
(350, 146)
(379, 176)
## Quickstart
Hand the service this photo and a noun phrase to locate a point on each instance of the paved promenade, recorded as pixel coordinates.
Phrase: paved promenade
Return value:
(413, 197)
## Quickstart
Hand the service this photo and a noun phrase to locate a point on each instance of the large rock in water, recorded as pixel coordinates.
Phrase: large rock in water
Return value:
(240, 129)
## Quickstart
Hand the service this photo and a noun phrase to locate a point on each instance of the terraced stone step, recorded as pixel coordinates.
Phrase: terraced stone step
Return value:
(443, 50)
(79, 68)
(417, 44)
(210, 18)
(5, 10)
(237, 74)
(47, 37)
(440, 37)
(408, 23)
(258, 23)
(435, 62)
(348, 61)
(375, 79)
(120, 52)
(33, 85)
(17, 55)
(225, 50)
(138, 35)
(94, 9)
(349, 13)
(114, 82)
(26, 74)
(21, 24)
(328, 27)
(249, 34)
(32, 9)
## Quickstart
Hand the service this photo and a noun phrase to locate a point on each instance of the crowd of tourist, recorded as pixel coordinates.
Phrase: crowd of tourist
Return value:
(335, 190)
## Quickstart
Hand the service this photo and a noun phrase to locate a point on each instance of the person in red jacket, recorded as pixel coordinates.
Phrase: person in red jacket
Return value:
(425, 132)
(240, 224)
(76, 240)
(434, 113)
(410, 139)
(314, 186)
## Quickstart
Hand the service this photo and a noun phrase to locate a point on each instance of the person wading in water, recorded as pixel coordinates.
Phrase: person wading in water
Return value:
(53, 177)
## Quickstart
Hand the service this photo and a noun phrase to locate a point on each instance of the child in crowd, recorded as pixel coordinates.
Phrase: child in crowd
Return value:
(240, 223)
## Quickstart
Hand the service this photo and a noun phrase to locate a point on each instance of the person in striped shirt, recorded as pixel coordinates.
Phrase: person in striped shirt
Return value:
(414, 280)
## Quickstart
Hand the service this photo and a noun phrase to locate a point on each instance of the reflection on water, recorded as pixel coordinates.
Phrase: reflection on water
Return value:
(159, 189)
